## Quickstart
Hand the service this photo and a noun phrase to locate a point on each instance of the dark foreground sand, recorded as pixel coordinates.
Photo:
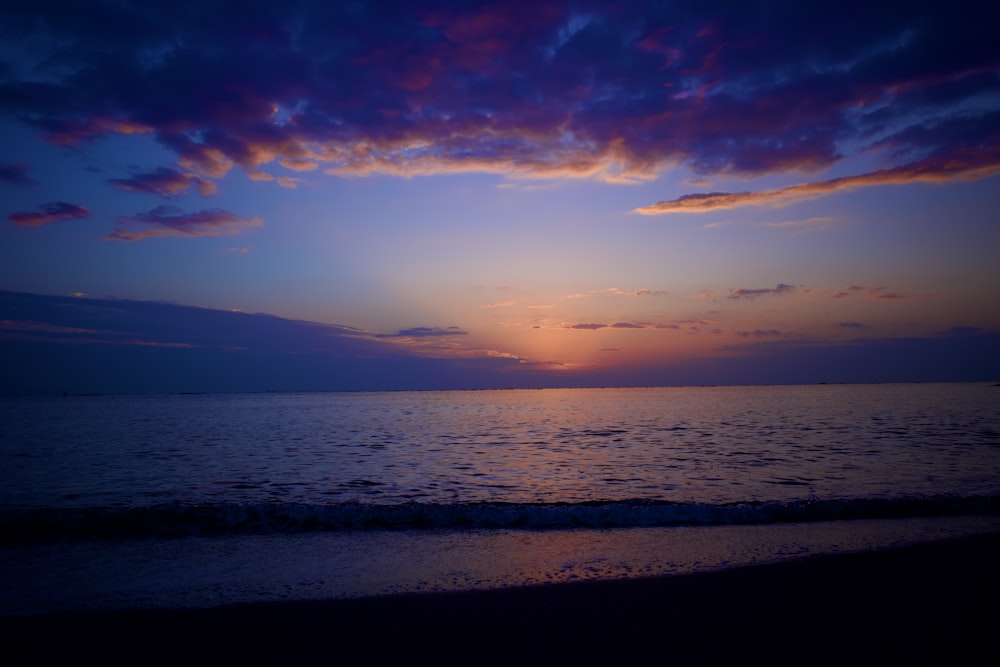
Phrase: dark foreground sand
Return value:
(930, 604)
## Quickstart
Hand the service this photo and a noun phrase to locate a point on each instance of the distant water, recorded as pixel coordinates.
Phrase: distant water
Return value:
(153, 466)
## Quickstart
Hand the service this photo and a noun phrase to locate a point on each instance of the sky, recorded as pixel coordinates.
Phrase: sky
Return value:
(308, 195)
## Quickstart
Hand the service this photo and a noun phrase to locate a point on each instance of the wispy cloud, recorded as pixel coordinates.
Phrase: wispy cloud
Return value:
(968, 164)
(299, 164)
(848, 291)
(425, 332)
(750, 294)
(760, 333)
(964, 332)
(164, 221)
(817, 221)
(53, 212)
(165, 182)
(289, 182)
(878, 293)
(593, 326)
(695, 325)
(614, 291)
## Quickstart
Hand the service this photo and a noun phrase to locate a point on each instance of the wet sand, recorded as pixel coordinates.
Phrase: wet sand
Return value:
(927, 604)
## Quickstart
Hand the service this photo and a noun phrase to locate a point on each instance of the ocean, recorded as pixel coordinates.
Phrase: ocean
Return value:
(207, 499)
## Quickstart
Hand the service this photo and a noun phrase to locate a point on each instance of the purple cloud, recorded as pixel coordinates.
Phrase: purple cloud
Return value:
(52, 212)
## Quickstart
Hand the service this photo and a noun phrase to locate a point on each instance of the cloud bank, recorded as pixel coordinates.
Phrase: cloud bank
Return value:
(51, 344)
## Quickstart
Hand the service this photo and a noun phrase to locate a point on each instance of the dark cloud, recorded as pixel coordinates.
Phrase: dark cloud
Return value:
(542, 88)
(594, 326)
(848, 291)
(760, 333)
(426, 332)
(750, 294)
(963, 332)
(171, 221)
(15, 174)
(874, 293)
(52, 212)
(852, 325)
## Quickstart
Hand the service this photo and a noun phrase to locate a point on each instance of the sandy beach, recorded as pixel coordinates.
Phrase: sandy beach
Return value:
(926, 604)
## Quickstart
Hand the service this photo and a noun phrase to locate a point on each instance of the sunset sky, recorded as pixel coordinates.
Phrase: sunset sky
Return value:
(496, 194)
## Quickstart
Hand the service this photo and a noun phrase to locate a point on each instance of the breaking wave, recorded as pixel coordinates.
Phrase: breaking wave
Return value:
(45, 525)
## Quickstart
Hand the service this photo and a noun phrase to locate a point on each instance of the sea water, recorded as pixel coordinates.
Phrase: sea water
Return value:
(351, 491)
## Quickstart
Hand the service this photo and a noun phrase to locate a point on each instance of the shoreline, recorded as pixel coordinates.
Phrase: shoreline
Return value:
(214, 571)
(920, 604)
